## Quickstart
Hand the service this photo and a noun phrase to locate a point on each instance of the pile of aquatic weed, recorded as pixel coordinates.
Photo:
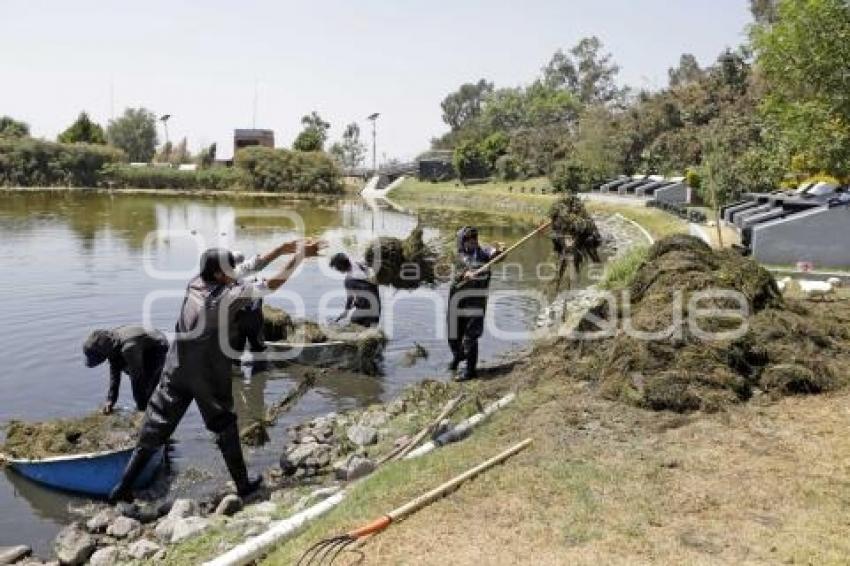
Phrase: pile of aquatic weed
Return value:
(403, 264)
(277, 324)
(708, 361)
(573, 230)
(93, 433)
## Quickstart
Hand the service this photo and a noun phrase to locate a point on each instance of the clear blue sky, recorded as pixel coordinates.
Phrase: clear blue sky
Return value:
(199, 60)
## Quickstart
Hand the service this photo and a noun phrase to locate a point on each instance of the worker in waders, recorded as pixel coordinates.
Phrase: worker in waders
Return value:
(248, 330)
(198, 369)
(133, 350)
(468, 301)
(362, 297)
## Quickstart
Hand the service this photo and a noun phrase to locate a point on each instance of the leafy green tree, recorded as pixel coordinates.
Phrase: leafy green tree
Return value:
(11, 128)
(468, 161)
(493, 147)
(803, 58)
(464, 105)
(350, 152)
(83, 130)
(314, 135)
(135, 133)
(764, 11)
(687, 72)
(586, 71)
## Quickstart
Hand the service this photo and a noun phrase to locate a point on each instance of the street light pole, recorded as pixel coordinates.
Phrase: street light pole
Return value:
(374, 118)
(164, 119)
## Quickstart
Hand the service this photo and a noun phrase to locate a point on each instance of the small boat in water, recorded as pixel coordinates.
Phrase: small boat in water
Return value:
(92, 474)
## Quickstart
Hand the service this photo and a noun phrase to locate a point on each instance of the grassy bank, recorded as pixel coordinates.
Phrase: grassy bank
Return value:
(608, 483)
(532, 197)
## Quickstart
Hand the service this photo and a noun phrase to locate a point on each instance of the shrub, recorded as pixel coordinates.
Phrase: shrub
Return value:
(508, 168)
(568, 176)
(126, 176)
(469, 161)
(27, 162)
(280, 170)
(693, 179)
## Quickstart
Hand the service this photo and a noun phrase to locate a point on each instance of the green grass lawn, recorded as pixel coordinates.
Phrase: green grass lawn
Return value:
(522, 198)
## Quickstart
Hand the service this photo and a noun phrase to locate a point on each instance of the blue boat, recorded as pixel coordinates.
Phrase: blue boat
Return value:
(92, 474)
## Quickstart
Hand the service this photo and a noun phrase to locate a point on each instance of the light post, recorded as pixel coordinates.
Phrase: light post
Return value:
(374, 118)
(164, 119)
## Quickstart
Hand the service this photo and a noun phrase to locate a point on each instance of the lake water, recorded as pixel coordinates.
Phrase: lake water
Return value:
(73, 262)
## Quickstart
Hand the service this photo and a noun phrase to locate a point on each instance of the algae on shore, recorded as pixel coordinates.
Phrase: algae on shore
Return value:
(93, 433)
(698, 362)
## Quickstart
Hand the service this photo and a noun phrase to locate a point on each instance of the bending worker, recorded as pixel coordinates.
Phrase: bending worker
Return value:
(197, 367)
(133, 350)
(362, 296)
(468, 300)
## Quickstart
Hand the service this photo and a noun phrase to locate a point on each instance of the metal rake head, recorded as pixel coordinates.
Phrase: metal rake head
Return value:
(326, 551)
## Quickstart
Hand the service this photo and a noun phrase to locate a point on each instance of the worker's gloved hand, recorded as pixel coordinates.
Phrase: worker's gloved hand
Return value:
(107, 408)
(312, 247)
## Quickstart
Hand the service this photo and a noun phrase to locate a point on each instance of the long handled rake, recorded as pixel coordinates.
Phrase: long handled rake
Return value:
(327, 550)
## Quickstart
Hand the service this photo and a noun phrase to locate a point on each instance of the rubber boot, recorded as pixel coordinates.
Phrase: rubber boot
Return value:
(124, 490)
(469, 372)
(231, 449)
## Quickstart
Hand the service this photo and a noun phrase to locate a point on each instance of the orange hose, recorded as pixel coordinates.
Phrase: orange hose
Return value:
(375, 526)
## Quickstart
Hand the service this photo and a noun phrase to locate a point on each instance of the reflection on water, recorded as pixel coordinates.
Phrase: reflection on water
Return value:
(74, 261)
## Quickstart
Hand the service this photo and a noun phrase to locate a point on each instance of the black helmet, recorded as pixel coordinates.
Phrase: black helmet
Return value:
(216, 260)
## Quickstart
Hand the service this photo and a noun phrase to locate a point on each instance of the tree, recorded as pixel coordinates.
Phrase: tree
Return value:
(11, 128)
(687, 72)
(135, 133)
(164, 154)
(468, 161)
(464, 105)
(803, 58)
(206, 157)
(587, 72)
(764, 11)
(350, 152)
(181, 153)
(83, 130)
(314, 135)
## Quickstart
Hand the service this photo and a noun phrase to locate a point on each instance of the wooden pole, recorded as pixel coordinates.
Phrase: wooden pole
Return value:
(441, 490)
(504, 254)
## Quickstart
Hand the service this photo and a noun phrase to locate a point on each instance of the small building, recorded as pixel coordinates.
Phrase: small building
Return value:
(435, 165)
(248, 137)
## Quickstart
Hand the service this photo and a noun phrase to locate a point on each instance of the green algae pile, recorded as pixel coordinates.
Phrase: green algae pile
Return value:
(778, 347)
(93, 433)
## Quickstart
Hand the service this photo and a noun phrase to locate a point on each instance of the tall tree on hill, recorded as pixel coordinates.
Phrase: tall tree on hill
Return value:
(11, 128)
(135, 133)
(687, 72)
(586, 71)
(464, 105)
(83, 130)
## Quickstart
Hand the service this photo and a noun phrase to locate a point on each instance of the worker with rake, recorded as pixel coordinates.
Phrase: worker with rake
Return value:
(468, 300)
